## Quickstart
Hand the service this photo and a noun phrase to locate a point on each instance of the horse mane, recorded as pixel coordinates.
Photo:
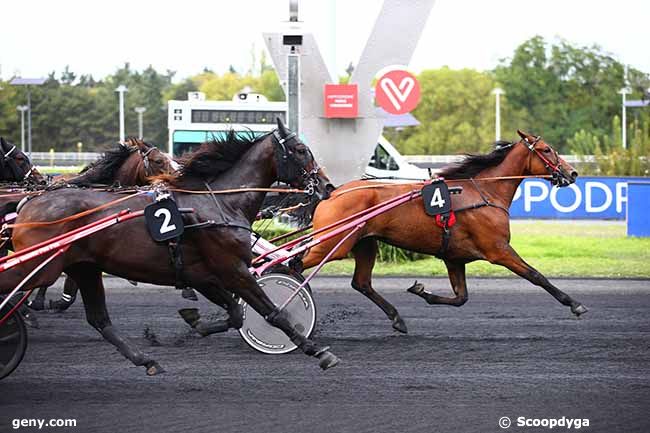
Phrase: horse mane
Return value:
(472, 164)
(104, 169)
(212, 158)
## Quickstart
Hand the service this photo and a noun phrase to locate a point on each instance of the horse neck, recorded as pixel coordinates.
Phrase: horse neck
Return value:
(503, 191)
(255, 169)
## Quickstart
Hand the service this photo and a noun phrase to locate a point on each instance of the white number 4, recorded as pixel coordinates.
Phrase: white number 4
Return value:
(436, 199)
(167, 217)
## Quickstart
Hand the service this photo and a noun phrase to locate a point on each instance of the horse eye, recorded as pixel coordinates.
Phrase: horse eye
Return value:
(547, 150)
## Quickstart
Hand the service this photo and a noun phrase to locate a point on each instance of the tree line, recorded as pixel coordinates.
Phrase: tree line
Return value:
(564, 92)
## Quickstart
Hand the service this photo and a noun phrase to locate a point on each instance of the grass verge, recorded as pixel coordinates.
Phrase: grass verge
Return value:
(556, 249)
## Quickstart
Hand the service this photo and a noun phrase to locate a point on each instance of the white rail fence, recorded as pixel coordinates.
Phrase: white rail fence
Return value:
(80, 159)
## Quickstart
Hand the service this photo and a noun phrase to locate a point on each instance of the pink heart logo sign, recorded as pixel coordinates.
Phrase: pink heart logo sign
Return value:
(397, 91)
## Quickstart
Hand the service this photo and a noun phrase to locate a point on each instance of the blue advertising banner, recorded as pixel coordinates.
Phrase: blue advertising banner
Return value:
(588, 198)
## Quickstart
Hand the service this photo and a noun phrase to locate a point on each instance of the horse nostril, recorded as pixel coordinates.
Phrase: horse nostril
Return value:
(574, 175)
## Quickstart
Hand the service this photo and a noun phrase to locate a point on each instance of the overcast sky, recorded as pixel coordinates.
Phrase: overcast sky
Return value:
(96, 36)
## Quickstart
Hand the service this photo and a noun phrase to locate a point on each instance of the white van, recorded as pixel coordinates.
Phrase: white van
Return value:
(387, 163)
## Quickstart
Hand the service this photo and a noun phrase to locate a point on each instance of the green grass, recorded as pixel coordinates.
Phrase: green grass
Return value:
(556, 249)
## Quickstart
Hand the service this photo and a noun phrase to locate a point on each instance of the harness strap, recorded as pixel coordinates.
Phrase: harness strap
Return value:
(176, 255)
(446, 221)
(485, 202)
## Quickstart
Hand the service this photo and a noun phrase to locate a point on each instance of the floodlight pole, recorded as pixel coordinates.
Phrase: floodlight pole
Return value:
(293, 75)
(497, 92)
(29, 121)
(140, 111)
(121, 89)
(22, 109)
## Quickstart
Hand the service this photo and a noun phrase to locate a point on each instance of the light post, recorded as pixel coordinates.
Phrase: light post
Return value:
(140, 111)
(22, 109)
(623, 92)
(121, 90)
(28, 82)
(497, 92)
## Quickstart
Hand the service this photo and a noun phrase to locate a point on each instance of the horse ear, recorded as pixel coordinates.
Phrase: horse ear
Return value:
(283, 129)
(3, 144)
(522, 134)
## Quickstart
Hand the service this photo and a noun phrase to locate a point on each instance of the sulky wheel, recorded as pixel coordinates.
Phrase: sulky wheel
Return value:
(263, 337)
(13, 341)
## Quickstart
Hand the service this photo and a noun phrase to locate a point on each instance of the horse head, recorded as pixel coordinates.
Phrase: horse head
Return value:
(15, 165)
(296, 164)
(150, 161)
(543, 160)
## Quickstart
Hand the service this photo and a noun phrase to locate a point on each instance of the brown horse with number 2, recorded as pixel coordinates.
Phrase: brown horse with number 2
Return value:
(481, 231)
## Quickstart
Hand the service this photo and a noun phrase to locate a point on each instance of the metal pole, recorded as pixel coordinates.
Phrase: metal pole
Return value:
(624, 123)
(293, 88)
(497, 120)
(22, 130)
(120, 90)
(22, 109)
(624, 92)
(140, 111)
(29, 121)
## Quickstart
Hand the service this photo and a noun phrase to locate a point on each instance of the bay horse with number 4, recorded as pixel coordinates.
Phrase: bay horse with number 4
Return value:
(481, 230)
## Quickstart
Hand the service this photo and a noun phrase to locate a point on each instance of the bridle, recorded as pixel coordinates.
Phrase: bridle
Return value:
(287, 163)
(8, 160)
(145, 160)
(553, 168)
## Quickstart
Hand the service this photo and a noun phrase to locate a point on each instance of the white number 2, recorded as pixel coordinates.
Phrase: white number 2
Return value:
(436, 199)
(165, 227)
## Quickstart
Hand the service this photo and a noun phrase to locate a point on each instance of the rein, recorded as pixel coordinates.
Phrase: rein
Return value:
(139, 193)
(470, 179)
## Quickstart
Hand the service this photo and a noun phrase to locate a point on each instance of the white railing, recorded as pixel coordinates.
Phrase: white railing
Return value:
(46, 159)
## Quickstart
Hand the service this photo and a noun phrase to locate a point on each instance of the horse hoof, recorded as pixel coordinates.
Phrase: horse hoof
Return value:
(236, 317)
(327, 360)
(31, 321)
(154, 369)
(399, 325)
(36, 305)
(60, 305)
(416, 289)
(579, 310)
(189, 294)
(190, 315)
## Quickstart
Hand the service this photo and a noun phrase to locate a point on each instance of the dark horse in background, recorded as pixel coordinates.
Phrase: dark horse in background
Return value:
(132, 163)
(16, 172)
(482, 230)
(217, 255)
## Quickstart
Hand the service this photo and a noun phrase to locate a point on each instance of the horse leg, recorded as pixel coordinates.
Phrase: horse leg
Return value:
(38, 303)
(243, 284)
(456, 272)
(365, 252)
(222, 298)
(511, 260)
(89, 278)
(68, 296)
(188, 293)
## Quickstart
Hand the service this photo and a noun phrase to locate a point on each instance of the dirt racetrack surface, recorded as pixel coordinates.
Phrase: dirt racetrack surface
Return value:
(512, 351)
